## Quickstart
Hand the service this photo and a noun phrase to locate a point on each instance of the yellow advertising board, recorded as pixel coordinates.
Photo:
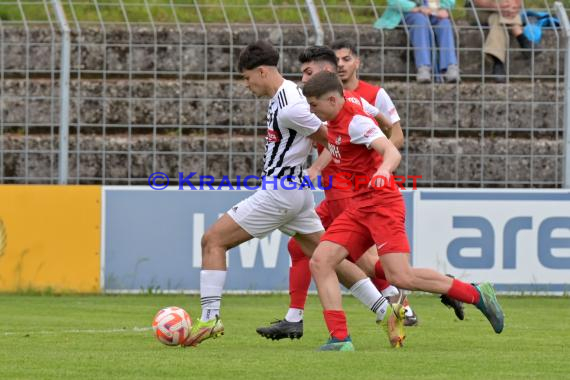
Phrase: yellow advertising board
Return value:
(50, 238)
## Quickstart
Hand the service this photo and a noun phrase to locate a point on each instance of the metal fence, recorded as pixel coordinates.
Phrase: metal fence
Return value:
(153, 87)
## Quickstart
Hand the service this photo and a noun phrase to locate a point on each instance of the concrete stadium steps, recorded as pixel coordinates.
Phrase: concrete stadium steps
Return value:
(467, 107)
(476, 132)
(192, 50)
(440, 161)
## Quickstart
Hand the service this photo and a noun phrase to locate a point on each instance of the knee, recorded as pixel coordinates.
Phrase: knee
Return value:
(208, 241)
(319, 262)
(316, 263)
(417, 19)
(444, 24)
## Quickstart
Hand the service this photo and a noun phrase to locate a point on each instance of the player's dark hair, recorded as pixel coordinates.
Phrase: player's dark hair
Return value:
(258, 53)
(322, 83)
(344, 43)
(318, 54)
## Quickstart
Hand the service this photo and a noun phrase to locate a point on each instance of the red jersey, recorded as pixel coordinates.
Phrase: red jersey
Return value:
(367, 91)
(379, 98)
(332, 169)
(349, 137)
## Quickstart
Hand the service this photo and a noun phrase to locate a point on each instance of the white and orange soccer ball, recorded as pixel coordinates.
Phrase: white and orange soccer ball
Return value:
(172, 325)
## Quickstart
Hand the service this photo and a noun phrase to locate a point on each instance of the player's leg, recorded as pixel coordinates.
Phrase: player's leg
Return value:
(387, 226)
(299, 282)
(455, 305)
(299, 273)
(361, 289)
(350, 276)
(350, 238)
(370, 260)
(222, 236)
(255, 216)
(323, 263)
(400, 273)
(371, 265)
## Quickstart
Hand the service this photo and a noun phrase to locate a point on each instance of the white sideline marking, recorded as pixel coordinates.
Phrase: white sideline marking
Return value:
(78, 331)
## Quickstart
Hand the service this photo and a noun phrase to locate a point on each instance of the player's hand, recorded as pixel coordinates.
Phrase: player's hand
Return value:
(313, 173)
(380, 179)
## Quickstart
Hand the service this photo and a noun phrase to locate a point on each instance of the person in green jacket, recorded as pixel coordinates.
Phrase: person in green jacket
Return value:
(420, 17)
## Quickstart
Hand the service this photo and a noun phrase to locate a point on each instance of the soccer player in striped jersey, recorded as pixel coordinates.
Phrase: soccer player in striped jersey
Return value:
(376, 216)
(291, 130)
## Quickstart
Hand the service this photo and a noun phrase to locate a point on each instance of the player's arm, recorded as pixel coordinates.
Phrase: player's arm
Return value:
(320, 136)
(384, 124)
(383, 121)
(320, 163)
(391, 158)
(363, 131)
(397, 135)
(386, 106)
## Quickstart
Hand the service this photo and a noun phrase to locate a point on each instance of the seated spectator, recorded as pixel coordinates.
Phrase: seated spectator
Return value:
(502, 16)
(420, 16)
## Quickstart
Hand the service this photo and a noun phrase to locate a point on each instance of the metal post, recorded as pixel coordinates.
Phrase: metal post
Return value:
(63, 92)
(565, 26)
(319, 41)
(319, 34)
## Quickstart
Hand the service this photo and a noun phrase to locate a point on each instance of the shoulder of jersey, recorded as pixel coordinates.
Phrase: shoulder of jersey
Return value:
(289, 94)
(369, 86)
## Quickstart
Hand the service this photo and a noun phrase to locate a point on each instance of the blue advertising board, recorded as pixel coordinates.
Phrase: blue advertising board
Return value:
(152, 241)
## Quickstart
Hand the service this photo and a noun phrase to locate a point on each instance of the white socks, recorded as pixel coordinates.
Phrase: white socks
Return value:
(211, 286)
(294, 315)
(390, 291)
(367, 293)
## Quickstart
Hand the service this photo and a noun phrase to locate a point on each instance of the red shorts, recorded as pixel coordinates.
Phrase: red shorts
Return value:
(329, 210)
(371, 220)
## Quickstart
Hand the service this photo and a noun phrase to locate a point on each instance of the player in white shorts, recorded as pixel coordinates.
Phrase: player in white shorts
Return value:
(281, 203)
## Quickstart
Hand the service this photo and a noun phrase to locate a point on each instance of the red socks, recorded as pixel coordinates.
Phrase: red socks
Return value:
(380, 280)
(299, 275)
(464, 292)
(380, 284)
(336, 323)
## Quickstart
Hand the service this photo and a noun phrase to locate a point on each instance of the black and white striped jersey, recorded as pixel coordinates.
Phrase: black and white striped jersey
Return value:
(289, 123)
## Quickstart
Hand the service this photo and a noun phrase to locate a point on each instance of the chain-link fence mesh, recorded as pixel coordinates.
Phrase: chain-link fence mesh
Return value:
(154, 88)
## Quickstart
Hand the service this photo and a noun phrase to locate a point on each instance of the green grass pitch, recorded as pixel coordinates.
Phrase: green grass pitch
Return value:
(108, 337)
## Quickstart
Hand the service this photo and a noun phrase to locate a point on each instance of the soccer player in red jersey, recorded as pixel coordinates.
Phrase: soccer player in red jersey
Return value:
(348, 65)
(376, 216)
(313, 60)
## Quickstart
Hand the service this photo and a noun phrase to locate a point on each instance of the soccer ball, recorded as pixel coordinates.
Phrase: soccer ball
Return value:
(172, 325)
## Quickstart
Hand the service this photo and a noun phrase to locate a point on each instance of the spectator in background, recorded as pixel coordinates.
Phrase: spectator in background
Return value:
(420, 16)
(502, 16)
